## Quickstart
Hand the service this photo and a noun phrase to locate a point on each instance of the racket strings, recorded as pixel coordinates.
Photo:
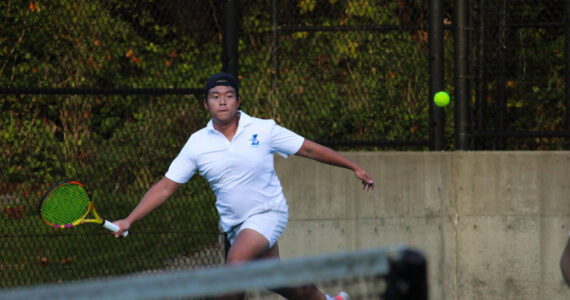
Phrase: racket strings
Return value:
(65, 204)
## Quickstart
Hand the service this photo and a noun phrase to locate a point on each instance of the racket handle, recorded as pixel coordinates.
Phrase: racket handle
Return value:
(114, 228)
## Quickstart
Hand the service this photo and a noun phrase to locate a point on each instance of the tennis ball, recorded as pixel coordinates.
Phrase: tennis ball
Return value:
(441, 99)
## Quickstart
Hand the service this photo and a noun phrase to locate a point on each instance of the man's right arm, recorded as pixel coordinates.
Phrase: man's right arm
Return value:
(154, 197)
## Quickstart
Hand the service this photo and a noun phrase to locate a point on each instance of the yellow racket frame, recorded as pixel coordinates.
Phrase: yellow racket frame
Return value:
(91, 208)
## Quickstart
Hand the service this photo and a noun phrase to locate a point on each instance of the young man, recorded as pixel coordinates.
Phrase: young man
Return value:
(234, 152)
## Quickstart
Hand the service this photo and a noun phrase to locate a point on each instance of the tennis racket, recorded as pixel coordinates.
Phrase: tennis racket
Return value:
(68, 204)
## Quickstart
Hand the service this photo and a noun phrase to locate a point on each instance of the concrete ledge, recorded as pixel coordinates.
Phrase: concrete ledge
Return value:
(492, 224)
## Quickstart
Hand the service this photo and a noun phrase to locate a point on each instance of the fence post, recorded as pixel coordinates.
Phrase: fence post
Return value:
(567, 53)
(436, 138)
(230, 39)
(481, 87)
(461, 41)
(501, 106)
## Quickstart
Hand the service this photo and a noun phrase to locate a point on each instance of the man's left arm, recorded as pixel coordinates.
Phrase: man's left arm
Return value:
(323, 154)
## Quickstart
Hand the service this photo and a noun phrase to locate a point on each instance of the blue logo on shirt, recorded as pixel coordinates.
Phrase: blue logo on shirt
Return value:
(254, 141)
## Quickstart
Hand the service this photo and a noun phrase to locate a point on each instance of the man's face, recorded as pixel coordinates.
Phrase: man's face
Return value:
(222, 103)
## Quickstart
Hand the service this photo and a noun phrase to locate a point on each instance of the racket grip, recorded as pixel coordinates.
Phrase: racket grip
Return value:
(114, 228)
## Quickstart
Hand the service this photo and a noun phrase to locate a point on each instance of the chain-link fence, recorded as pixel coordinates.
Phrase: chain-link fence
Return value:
(107, 92)
(118, 153)
(520, 75)
(101, 92)
(345, 73)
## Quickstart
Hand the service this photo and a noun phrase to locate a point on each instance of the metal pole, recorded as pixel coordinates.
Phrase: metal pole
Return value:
(461, 74)
(230, 37)
(501, 77)
(436, 139)
(567, 53)
(480, 102)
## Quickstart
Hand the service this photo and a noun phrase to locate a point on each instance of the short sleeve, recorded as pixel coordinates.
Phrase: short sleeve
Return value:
(284, 141)
(183, 166)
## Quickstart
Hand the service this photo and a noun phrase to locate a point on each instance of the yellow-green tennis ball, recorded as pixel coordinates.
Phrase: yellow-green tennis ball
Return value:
(441, 99)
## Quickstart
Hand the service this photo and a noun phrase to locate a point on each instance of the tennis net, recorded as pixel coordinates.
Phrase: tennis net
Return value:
(385, 273)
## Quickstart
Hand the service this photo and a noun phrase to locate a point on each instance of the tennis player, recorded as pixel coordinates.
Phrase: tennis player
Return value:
(234, 152)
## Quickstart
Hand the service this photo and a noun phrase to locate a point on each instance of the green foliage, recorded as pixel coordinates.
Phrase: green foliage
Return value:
(340, 85)
(117, 145)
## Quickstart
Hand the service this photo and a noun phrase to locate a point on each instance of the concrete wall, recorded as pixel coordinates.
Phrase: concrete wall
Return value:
(492, 224)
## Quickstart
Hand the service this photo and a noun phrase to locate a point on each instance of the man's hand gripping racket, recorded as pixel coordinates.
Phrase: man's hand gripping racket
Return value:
(68, 204)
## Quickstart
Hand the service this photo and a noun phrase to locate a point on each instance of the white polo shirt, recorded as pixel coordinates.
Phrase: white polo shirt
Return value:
(240, 172)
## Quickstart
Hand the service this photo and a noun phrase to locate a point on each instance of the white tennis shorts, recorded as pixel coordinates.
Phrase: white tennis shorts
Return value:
(270, 224)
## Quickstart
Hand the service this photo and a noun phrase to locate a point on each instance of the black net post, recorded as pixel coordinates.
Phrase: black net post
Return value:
(408, 277)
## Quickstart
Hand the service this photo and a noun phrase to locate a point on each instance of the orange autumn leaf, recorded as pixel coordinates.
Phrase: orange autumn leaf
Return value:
(43, 260)
(130, 55)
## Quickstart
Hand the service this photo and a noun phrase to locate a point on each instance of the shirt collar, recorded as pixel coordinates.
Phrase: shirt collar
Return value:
(244, 120)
